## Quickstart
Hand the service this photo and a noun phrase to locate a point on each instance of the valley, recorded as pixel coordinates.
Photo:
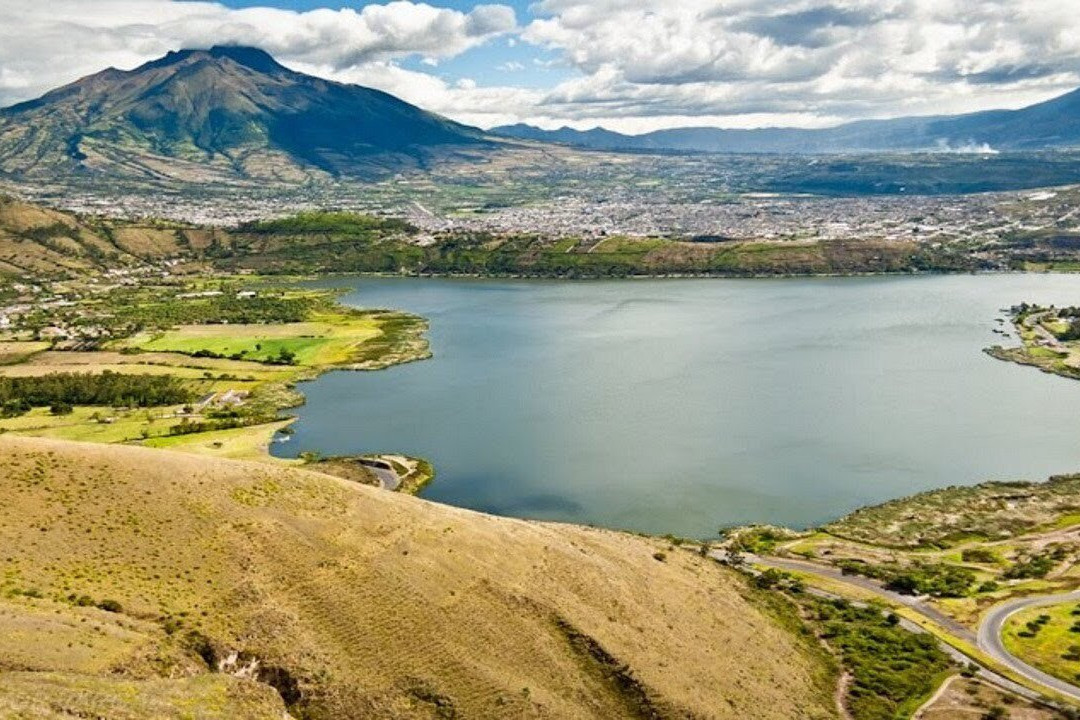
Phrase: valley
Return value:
(318, 405)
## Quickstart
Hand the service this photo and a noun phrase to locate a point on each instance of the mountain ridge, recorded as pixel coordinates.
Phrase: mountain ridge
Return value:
(1054, 123)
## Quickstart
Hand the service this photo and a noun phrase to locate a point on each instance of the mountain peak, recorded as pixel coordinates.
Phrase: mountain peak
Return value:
(207, 107)
(250, 57)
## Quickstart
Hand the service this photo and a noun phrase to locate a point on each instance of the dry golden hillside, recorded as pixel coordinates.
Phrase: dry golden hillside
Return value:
(144, 583)
(38, 242)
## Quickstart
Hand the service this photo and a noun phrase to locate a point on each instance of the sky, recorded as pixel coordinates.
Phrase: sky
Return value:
(628, 65)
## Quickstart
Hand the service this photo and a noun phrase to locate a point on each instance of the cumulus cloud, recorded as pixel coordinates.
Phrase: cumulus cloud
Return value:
(43, 45)
(464, 100)
(817, 58)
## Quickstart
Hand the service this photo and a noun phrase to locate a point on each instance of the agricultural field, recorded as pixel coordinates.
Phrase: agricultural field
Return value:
(325, 340)
(230, 349)
(244, 443)
(96, 424)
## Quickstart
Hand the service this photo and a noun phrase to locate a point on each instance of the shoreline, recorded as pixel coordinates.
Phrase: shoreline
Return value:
(413, 347)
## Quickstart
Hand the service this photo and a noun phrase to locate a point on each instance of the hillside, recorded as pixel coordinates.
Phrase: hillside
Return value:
(223, 114)
(1051, 124)
(37, 242)
(128, 573)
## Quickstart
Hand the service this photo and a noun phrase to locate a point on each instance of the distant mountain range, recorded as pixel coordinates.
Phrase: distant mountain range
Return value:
(222, 113)
(1051, 124)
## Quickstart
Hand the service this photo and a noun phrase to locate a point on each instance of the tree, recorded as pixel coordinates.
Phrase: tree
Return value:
(61, 408)
(14, 408)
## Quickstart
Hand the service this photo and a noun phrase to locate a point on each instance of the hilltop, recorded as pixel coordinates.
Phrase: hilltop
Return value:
(141, 582)
(223, 114)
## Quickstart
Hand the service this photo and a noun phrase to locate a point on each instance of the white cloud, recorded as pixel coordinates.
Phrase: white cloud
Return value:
(815, 59)
(56, 42)
(464, 101)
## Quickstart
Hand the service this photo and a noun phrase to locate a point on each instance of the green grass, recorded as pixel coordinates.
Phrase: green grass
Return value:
(81, 425)
(1042, 352)
(248, 443)
(326, 340)
(1052, 641)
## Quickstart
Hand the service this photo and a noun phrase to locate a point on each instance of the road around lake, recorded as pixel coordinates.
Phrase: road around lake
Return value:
(987, 639)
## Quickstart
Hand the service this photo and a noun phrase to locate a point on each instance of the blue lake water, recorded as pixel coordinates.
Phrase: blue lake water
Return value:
(685, 405)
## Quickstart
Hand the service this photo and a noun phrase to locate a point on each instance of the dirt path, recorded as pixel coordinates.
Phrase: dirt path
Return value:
(934, 698)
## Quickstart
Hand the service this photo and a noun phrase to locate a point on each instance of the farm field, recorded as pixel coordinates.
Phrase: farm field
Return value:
(325, 340)
(95, 424)
(236, 376)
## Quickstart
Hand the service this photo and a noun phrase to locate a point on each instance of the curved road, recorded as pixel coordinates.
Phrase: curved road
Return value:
(990, 639)
(987, 640)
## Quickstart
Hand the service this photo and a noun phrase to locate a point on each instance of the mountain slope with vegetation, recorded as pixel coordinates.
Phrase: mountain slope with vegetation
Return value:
(143, 580)
(223, 114)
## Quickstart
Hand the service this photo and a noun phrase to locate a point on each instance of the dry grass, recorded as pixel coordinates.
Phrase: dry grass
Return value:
(955, 515)
(56, 696)
(36, 240)
(968, 699)
(381, 605)
(148, 242)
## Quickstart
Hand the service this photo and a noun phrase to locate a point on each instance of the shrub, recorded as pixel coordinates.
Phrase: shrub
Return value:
(1036, 566)
(110, 606)
(978, 555)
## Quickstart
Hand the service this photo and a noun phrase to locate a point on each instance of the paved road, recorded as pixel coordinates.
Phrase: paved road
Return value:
(988, 638)
(926, 610)
(990, 642)
(388, 479)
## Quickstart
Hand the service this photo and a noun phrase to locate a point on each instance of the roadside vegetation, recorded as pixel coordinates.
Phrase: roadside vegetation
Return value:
(890, 670)
(893, 670)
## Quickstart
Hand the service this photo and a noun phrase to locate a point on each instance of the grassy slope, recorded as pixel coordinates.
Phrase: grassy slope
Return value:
(376, 605)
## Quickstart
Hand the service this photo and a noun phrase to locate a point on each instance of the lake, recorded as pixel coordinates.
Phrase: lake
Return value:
(680, 406)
